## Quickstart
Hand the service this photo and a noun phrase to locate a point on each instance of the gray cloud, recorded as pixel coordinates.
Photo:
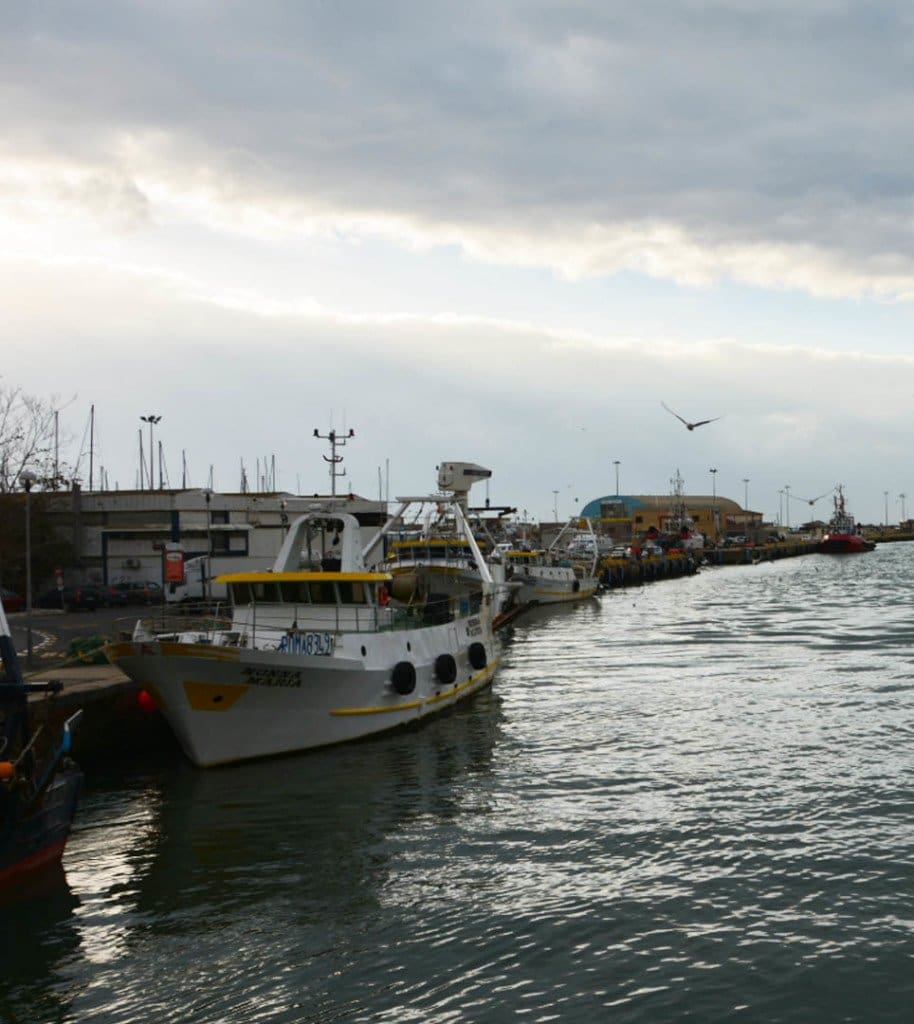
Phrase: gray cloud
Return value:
(742, 126)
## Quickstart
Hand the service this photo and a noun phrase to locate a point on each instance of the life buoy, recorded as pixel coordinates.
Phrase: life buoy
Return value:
(403, 677)
(383, 596)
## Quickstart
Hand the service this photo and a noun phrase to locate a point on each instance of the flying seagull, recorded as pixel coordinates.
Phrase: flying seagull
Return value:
(689, 426)
(811, 501)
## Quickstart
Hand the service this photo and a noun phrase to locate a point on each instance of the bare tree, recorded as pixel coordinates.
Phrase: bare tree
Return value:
(27, 441)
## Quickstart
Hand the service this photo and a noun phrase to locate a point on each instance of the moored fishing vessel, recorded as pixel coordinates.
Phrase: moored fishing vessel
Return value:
(842, 535)
(679, 525)
(445, 563)
(318, 650)
(559, 573)
(39, 784)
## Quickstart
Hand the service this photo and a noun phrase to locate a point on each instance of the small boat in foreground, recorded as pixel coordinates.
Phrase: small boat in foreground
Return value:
(319, 650)
(39, 784)
(843, 536)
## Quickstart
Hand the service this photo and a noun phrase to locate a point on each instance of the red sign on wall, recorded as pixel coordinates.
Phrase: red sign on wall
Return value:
(174, 566)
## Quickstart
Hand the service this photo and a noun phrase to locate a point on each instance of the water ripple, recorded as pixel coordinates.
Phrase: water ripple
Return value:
(691, 800)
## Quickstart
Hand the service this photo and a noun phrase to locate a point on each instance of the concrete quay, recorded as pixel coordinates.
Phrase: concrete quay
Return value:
(114, 723)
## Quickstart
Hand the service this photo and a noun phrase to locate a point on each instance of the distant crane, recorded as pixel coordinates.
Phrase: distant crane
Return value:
(689, 426)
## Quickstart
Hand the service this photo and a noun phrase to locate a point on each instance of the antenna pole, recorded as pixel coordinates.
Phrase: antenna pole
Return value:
(336, 441)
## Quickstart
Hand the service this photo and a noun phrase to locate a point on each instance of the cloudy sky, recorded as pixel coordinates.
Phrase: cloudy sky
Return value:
(495, 232)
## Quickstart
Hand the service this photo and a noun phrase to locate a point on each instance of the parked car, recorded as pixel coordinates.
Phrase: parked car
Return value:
(135, 592)
(113, 596)
(82, 597)
(12, 602)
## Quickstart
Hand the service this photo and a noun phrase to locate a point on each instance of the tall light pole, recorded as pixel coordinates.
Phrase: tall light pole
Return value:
(151, 420)
(901, 498)
(207, 585)
(886, 521)
(787, 489)
(616, 464)
(713, 473)
(555, 505)
(27, 478)
(780, 508)
(745, 494)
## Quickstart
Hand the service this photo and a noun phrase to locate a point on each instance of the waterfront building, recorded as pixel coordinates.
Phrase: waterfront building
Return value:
(122, 536)
(623, 517)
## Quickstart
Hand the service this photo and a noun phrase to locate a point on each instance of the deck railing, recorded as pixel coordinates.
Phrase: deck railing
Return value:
(265, 626)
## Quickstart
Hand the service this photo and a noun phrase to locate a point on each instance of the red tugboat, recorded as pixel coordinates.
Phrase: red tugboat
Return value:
(843, 537)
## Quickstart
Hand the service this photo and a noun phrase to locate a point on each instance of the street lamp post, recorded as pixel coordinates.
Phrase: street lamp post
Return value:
(151, 420)
(787, 489)
(780, 508)
(207, 584)
(886, 521)
(713, 473)
(555, 505)
(901, 498)
(27, 478)
(616, 464)
(745, 494)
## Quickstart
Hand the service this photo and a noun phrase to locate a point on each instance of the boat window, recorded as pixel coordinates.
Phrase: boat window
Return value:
(294, 593)
(351, 593)
(322, 593)
(241, 594)
(268, 592)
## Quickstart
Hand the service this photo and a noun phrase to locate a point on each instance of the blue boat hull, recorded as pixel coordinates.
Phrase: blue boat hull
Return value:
(32, 838)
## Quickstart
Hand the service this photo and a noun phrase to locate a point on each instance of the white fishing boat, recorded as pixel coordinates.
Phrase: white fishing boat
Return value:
(430, 552)
(318, 650)
(565, 571)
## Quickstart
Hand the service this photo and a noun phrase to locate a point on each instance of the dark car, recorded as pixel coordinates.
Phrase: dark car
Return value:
(12, 602)
(113, 596)
(140, 592)
(84, 597)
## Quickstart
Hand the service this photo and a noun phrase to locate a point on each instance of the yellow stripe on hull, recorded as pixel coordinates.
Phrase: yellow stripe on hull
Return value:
(377, 711)
(489, 669)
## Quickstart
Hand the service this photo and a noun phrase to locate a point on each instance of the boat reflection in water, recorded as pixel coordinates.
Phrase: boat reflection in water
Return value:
(312, 842)
(249, 876)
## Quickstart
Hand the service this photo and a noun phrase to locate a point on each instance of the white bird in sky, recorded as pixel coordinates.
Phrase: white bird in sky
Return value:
(689, 426)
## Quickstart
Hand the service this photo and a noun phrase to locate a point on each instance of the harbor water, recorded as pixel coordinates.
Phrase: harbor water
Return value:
(690, 800)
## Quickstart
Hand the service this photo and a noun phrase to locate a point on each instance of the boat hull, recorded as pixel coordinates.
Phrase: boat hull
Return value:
(35, 840)
(228, 704)
(553, 586)
(844, 544)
